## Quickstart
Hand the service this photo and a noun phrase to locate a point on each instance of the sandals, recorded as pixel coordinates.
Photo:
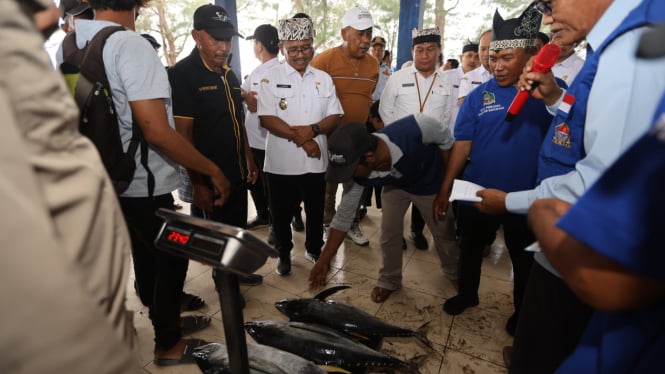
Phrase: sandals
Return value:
(186, 358)
(192, 324)
(380, 294)
(189, 302)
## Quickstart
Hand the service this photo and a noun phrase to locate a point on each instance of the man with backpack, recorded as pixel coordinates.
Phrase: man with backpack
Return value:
(141, 94)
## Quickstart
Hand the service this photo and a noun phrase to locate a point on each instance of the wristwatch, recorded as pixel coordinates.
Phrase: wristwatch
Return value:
(315, 129)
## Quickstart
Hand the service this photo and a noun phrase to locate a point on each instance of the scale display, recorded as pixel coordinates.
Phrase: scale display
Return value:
(212, 243)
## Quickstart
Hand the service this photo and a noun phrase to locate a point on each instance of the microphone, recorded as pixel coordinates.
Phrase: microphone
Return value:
(545, 59)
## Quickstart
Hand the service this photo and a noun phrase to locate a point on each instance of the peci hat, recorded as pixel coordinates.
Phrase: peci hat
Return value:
(267, 35)
(378, 40)
(520, 32)
(296, 29)
(432, 35)
(73, 7)
(215, 21)
(470, 47)
(346, 146)
(358, 18)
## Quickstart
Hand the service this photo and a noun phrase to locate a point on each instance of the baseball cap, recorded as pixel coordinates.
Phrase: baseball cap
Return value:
(346, 146)
(215, 21)
(359, 18)
(267, 35)
(378, 40)
(73, 7)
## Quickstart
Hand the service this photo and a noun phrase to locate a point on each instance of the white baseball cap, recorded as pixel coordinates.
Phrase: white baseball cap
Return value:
(359, 18)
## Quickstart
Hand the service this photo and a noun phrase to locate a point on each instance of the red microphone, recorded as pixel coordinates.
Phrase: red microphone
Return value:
(545, 59)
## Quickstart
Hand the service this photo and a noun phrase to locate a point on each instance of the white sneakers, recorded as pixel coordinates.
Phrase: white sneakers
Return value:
(356, 234)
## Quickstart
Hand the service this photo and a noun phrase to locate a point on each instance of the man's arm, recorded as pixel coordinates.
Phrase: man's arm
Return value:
(152, 119)
(458, 157)
(597, 280)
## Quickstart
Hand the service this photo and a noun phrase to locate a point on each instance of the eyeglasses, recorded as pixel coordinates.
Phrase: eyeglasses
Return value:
(544, 7)
(293, 52)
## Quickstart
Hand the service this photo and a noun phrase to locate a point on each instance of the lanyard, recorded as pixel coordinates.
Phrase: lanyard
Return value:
(429, 90)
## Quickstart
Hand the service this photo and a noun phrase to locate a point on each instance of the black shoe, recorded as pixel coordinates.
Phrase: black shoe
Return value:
(284, 267)
(511, 325)
(258, 221)
(271, 236)
(297, 223)
(403, 244)
(456, 305)
(312, 256)
(250, 280)
(419, 240)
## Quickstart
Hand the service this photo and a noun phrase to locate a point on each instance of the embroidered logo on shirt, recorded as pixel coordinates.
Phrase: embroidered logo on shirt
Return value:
(562, 135)
(488, 98)
(208, 88)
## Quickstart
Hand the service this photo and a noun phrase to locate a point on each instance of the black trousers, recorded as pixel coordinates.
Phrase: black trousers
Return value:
(476, 230)
(285, 192)
(552, 321)
(159, 275)
(417, 221)
(233, 213)
(259, 190)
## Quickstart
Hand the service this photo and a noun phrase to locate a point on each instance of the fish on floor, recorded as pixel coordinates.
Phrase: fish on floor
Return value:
(346, 318)
(323, 346)
(213, 358)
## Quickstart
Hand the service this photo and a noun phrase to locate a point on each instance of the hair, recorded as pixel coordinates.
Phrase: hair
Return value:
(453, 62)
(542, 36)
(118, 4)
(302, 15)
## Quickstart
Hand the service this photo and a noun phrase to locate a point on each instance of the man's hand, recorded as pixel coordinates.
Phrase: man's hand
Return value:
(494, 202)
(318, 274)
(202, 197)
(440, 206)
(251, 101)
(302, 134)
(222, 189)
(546, 88)
(312, 149)
(252, 172)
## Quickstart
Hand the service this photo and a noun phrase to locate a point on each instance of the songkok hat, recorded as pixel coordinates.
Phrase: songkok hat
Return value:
(346, 146)
(359, 18)
(215, 21)
(295, 29)
(267, 35)
(470, 47)
(73, 7)
(426, 36)
(520, 32)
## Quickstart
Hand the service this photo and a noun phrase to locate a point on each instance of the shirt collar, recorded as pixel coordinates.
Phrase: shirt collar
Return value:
(610, 20)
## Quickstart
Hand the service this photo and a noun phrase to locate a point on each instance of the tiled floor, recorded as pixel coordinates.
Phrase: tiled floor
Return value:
(468, 343)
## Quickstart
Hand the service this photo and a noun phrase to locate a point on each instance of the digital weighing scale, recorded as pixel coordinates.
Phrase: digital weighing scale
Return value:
(231, 251)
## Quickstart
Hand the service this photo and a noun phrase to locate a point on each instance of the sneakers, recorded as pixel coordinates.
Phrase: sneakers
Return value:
(313, 257)
(250, 280)
(456, 305)
(297, 223)
(284, 267)
(271, 236)
(419, 240)
(258, 221)
(357, 235)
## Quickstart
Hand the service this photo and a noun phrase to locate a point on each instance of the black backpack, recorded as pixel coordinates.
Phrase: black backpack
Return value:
(86, 78)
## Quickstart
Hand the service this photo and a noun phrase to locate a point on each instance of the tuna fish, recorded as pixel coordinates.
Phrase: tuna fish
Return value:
(323, 346)
(345, 318)
(213, 359)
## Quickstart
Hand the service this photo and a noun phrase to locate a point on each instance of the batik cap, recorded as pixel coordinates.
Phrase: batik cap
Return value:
(359, 18)
(520, 32)
(296, 29)
(426, 36)
(215, 21)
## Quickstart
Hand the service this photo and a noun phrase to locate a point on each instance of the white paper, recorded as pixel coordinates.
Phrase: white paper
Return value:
(465, 191)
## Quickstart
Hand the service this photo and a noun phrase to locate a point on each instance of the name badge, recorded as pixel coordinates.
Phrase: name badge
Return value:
(408, 84)
(283, 86)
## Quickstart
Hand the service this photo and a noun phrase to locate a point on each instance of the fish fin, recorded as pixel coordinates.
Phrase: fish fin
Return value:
(334, 369)
(421, 335)
(414, 363)
(325, 293)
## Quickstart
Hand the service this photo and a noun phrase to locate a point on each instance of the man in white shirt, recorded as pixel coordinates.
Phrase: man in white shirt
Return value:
(482, 73)
(568, 64)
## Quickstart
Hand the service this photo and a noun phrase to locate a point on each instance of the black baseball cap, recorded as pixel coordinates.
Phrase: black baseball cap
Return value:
(378, 40)
(73, 7)
(346, 146)
(267, 35)
(215, 21)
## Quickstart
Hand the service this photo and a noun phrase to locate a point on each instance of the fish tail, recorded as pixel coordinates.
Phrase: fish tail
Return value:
(327, 292)
(421, 335)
